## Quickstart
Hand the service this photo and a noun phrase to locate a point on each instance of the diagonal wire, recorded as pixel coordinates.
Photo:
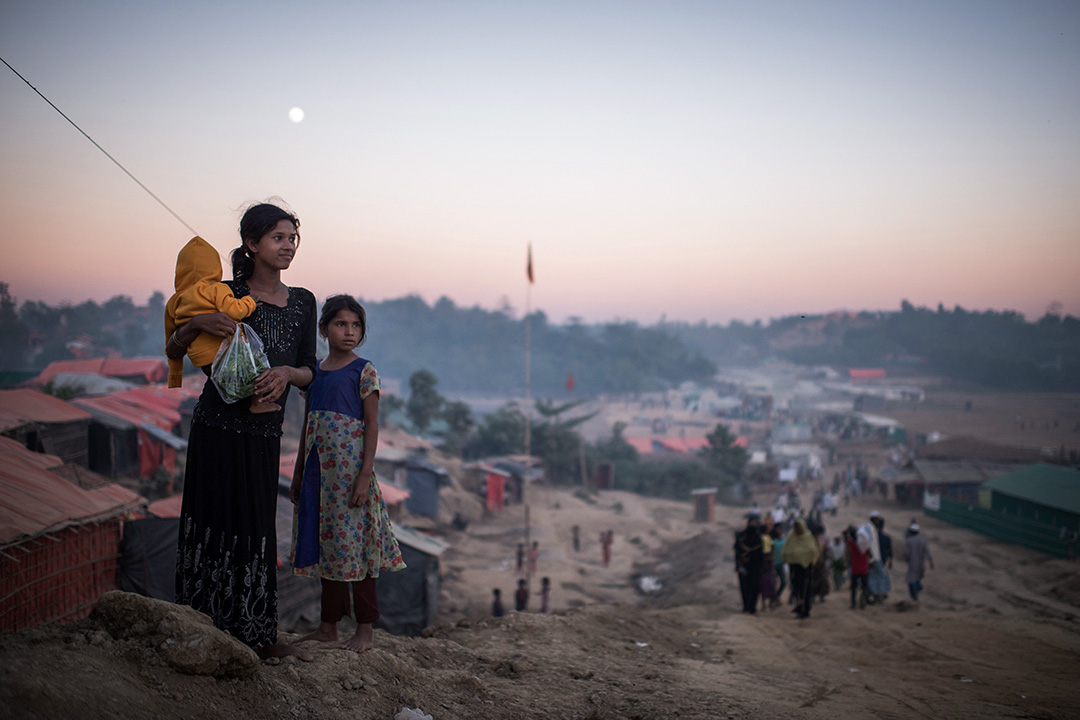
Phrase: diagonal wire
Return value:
(115, 161)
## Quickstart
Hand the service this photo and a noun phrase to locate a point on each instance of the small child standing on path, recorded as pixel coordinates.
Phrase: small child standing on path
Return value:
(521, 597)
(341, 532)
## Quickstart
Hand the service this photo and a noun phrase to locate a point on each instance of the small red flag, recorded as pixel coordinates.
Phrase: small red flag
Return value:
(528, 266)
(570, 381)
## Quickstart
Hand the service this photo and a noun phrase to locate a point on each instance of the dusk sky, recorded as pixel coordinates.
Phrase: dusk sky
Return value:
(703, 160)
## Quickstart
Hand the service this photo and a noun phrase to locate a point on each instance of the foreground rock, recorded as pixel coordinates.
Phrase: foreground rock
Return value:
(184, 638)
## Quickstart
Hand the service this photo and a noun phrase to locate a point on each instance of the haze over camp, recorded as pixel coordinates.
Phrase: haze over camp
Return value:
(700, 160)
(606, 360)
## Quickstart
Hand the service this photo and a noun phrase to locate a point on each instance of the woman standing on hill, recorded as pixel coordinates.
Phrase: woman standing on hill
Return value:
(226, 563)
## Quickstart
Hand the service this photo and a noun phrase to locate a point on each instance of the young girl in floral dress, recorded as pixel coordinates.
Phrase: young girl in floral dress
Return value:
(341, 532)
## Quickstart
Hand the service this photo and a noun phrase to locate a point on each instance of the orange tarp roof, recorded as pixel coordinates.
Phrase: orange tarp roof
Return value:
(147, 399)
(166, 507)
(15, 453)
(683, 444)
(392, 495)
(34, 501)
(91, 366)
(642, 445)
(10, 420)
(866, 373)
(152, 369)
(39, 407)
(132, 414)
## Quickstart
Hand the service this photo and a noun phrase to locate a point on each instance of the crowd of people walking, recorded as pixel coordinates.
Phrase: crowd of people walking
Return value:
(781, 549)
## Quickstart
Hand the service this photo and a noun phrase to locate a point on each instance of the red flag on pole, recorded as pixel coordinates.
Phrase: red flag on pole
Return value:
(528, 267)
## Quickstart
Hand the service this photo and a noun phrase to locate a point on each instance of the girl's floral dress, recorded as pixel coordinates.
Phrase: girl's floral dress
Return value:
(330, 539)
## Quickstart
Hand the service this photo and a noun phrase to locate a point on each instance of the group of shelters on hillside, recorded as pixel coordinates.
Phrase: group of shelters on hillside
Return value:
(88, 503)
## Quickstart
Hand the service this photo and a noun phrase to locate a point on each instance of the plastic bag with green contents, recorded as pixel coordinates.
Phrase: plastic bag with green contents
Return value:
(240, 360)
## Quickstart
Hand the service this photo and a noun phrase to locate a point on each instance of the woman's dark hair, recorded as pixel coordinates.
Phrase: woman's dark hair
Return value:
(257, 221)
(335, 304)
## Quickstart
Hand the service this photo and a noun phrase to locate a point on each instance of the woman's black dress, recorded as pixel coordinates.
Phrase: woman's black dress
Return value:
(226, 564)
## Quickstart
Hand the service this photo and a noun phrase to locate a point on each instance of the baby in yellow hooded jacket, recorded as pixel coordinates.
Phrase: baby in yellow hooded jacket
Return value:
(199, 290)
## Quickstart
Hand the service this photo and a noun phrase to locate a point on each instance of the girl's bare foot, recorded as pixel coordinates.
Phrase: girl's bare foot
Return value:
(326, 633)
(280, 650)
(364, 639)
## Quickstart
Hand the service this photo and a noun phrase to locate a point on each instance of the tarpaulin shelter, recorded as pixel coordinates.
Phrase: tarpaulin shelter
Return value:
(409, 599)
(59, 543)
(495, 488)
(43, 423)
(126, 432)
(137, 370)
(424, 481)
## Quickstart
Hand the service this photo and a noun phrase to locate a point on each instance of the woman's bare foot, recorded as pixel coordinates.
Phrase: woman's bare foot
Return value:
(280, 650)
(327, 633)
(364, 639)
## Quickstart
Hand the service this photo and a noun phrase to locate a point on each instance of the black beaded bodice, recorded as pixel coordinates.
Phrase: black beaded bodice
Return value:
(288, 335)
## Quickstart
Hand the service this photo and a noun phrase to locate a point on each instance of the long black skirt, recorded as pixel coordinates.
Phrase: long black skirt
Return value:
(226, 560)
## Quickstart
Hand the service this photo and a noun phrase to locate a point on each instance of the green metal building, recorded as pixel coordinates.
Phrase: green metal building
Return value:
(1046, 494)
(1037, 506)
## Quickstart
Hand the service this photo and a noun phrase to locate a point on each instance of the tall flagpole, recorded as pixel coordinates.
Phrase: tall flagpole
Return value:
(528, 411)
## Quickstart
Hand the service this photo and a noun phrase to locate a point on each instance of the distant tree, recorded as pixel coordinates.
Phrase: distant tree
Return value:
(424, 401)
(615, 449)
(459, 420)
(500, 433)
(722, 455)
(14, 335)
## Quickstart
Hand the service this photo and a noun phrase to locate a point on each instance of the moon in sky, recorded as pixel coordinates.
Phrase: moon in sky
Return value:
(296, 114)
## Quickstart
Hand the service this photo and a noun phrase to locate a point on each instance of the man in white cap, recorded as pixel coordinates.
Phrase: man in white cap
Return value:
(916, 552)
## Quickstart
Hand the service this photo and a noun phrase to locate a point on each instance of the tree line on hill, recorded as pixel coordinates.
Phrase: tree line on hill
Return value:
(994, 350)
(473, 350)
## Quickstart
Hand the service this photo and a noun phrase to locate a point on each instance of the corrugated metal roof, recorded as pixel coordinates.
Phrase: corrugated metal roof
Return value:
(945, 472)
(417, 540)
(974, 449)
(39, 407)
(1049, 485)
(35, 501)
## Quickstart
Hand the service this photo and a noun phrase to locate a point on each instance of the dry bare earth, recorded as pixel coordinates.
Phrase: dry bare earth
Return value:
(995, 636)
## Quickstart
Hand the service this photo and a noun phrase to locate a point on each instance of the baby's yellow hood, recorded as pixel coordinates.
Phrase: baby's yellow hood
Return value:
(197, 261)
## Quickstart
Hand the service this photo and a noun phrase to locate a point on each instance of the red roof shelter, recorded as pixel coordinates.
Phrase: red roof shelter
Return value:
(59, 543)
(147, 370)
(866, 373)
(46, 423)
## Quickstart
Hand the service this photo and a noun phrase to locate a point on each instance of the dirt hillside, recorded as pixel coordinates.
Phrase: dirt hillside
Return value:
(996, 634)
